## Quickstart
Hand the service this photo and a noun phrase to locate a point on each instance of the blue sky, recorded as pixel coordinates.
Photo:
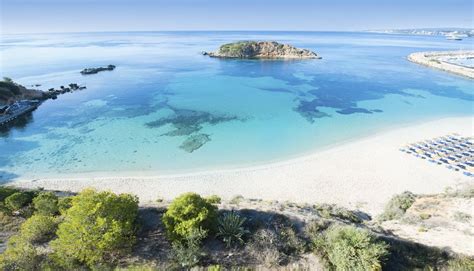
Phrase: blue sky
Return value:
(33, 16)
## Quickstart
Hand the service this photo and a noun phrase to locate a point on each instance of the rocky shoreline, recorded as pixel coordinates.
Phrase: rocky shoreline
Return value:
(261, 50)
(16, 100)
(438, 61)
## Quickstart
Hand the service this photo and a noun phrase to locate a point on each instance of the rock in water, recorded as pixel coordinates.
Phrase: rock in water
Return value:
(96, 70)
(195, 142)
(262, 49)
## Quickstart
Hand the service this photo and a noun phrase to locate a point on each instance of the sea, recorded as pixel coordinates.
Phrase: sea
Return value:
(169, 109)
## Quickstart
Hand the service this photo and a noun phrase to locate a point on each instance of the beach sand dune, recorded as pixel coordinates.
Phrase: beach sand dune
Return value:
(362, 174)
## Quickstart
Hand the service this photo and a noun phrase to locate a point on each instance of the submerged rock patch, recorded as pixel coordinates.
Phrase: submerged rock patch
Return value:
(187, 122)
(195, 142)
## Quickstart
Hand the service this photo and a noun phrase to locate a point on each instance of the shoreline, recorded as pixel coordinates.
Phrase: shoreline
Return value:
(435, 60)
(362, 174)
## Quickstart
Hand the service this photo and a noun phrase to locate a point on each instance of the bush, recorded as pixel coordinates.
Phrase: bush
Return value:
(187, 213)
(9, 223)
(264, 247)
(38, 228)
(17, 200)
(461, 263)
(139, 267)
(64, 203)
(46, 203)
(350, 248)
(230, 228)
(214, 199)
(98, 228)
(188, 253)
(19, 255)
(397, 206)
(4, 209)
(6, 191)
(334, 211)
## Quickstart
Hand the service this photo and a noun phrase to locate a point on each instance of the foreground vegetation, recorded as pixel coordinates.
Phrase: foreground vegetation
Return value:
(103, 231)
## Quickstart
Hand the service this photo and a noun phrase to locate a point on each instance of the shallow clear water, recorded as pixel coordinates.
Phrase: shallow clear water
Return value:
(164, 99)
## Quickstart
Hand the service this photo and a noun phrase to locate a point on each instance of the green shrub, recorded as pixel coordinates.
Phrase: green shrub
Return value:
(214, 199)
(397, 206)
(350, 248)
(17, 200)
(19, 255)
(10, 223)
(187, 213)
(6, 191)
(236, 199)
(64, 203)
(4, 209)
(38, 228)
(215, 268)
(315, 227)
(97, 229)
(230, 228)
(461, 264)
(46, 203)
(139, 267)
(188, 252)
(334, 211)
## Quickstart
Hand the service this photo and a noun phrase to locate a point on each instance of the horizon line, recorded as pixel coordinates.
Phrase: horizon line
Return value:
(242, 30)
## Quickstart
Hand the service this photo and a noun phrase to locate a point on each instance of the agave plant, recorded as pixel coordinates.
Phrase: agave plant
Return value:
(230, 228)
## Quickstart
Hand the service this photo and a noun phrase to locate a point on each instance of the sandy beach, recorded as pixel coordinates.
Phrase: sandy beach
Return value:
(362, 174)
(437, 60)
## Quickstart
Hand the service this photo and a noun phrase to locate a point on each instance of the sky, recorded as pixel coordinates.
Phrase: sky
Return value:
(45, 16)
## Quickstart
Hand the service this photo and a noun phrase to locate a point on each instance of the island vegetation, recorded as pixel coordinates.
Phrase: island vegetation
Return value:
(261, 49)
(95, 230)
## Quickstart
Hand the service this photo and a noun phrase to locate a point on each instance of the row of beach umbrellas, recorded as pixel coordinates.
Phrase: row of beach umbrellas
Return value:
(453, 151)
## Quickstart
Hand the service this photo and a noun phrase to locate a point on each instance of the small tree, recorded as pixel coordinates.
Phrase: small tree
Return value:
(98, 228)
(6, 191)
(17, 200)
(64, 203)
(38, 228)
(46, 203)
(19, 255)
(350, 248)
(187, 213)
(397, 206)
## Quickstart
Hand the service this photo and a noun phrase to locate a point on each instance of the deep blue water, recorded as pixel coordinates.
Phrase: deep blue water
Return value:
(165, 99)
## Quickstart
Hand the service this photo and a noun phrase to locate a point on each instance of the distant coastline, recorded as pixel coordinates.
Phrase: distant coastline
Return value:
(438, 60)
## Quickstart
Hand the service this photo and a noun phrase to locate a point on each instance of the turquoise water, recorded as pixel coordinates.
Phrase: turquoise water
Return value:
(168, 109)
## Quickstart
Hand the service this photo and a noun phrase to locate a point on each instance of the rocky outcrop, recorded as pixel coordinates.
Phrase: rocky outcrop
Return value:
(262, 49)
(96, 70)
(11, 92)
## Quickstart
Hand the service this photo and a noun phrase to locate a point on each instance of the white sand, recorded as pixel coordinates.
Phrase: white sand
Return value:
(363, 173)
(437, 60)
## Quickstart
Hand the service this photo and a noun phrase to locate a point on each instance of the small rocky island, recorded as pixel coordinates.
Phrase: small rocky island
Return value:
(263, 50)
(97, 70)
